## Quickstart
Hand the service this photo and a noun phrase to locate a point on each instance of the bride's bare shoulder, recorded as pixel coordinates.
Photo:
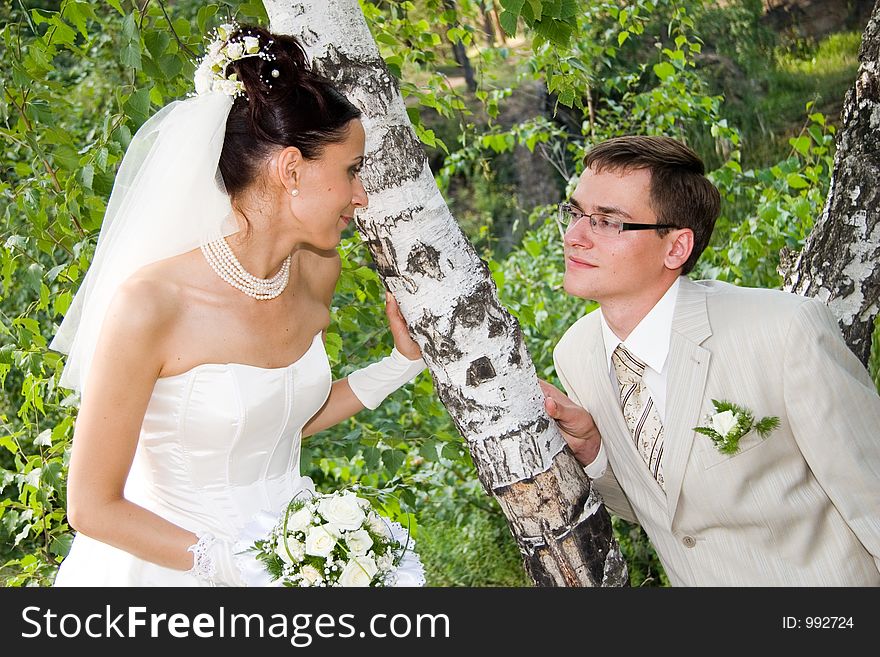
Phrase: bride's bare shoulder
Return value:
(172, 274)
(156, 293)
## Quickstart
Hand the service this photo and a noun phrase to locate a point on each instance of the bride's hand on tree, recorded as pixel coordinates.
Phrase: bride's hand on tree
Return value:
(402, 340)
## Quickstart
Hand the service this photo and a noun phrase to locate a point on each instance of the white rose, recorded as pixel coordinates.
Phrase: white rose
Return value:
(225, 86)
(225, 30)
(378, 526)
(724, 422)
(235, 50)
(203, 78)
(358, 572)
(358, 541)
(321, 540)
(310, 575)
(294, 552)
(251, 45)
(385, 561)
(299, 521)
(342, 510)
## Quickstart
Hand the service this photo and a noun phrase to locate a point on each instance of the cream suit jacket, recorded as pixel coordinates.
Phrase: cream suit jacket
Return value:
(800, 508)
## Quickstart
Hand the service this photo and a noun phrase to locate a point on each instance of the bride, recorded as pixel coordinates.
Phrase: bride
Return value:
(196, 337)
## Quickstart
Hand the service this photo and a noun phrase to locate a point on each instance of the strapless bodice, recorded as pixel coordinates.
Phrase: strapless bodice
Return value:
(219, 443)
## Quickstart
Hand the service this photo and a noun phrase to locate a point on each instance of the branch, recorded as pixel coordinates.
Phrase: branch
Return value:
(180, 43)
(32, 143)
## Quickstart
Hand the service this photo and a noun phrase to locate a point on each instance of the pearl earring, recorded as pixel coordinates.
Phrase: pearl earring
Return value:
(294, 192)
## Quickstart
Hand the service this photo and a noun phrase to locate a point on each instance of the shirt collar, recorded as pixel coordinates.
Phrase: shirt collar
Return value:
(649, 340)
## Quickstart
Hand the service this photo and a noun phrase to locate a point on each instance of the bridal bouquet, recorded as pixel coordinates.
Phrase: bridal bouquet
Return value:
(337, 539)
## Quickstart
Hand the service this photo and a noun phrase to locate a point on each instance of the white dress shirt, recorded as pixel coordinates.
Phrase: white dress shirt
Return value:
(649, 342)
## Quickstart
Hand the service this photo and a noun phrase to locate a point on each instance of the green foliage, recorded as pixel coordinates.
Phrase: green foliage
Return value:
(735, 31)
(82, 76)
(874, 360)
(769, 210)
(644, 566)
(766, 78)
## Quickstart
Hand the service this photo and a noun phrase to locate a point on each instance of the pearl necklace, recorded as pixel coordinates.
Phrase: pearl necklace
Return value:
(224, 263)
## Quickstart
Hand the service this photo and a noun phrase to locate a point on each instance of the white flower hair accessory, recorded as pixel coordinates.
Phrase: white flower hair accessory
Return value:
(211, 74)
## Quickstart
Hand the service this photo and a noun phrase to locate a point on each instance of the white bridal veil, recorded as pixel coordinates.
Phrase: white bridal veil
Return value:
(168, 198)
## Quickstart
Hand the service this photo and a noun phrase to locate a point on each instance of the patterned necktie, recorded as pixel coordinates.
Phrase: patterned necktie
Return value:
(638, 410)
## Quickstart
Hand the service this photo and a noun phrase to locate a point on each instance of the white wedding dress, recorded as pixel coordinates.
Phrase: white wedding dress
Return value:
(219, 444)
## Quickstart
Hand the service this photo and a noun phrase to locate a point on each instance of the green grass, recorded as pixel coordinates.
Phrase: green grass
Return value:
(479, 553)
(772, 107)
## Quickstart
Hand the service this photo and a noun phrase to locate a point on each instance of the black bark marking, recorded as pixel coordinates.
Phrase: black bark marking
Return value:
(514, 358)
(479, 372)
(460, 407)
(591, 536)
(496, 327)
(425, 260)
(372, 227)
(400, 157)
(439, 348)
(518, 346)
(369, 77)
(384, 255)
(469, 311)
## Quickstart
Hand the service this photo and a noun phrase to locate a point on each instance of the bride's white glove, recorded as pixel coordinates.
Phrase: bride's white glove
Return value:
(373, 383)
(214, 562)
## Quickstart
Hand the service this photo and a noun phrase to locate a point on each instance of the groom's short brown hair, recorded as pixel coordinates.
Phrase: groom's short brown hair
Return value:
(681, 194)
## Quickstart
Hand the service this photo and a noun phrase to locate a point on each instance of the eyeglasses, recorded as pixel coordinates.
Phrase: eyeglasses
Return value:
(601, 224)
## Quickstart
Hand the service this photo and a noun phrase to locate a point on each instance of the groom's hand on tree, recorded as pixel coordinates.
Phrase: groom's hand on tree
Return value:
(575, 423)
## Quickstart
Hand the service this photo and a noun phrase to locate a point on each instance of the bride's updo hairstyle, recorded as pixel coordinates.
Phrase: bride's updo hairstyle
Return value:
(285, 104)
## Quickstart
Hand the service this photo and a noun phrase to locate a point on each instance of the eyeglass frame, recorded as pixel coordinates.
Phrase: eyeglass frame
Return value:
(569, 208)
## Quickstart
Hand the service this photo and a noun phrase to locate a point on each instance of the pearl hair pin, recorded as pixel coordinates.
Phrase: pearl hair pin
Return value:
(224, 263)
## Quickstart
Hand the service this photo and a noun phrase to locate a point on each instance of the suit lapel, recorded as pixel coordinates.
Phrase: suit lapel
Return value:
(686, 384)
(608, 399)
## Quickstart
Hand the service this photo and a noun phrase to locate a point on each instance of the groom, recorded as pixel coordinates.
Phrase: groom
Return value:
(798, 507)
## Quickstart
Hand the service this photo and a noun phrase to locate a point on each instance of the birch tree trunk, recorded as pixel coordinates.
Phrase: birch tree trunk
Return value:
(840, 262)
(473, 347)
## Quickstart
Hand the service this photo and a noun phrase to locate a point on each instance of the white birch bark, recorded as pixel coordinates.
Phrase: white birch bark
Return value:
(840, 263)
(473, 347)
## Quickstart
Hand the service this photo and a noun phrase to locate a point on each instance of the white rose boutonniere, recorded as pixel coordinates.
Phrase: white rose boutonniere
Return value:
(730, 422)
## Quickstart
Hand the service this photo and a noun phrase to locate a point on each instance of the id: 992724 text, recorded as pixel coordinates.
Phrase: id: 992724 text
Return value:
(817, 622)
